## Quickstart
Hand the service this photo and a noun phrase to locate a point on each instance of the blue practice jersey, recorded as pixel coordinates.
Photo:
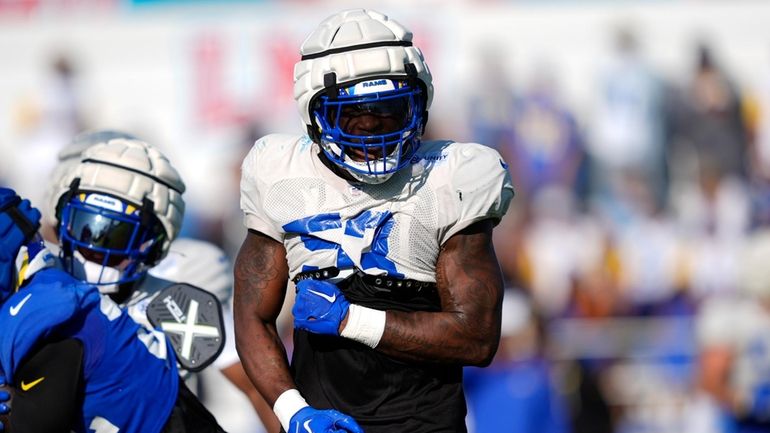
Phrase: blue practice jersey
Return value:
(130, 374)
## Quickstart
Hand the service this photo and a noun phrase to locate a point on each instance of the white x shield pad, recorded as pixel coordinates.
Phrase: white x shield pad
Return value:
(191, 318)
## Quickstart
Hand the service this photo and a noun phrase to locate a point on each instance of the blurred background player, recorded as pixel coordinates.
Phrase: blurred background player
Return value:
(734, 336)
(63, 342)
(114, 171)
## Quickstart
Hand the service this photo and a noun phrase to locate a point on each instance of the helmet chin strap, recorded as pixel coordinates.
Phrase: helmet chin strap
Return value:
(353, 175)
(372, 179)
(95, 273)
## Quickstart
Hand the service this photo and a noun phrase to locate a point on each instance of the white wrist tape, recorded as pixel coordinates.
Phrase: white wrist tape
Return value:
(365, 325)
(286, 405)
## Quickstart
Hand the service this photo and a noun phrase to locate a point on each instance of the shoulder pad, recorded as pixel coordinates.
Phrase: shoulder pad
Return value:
(272, 159)
(191, 318)
(480, 185)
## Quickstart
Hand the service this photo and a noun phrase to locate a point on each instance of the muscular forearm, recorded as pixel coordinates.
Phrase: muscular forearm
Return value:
(467, 329)
(438, 337)
(264, 359)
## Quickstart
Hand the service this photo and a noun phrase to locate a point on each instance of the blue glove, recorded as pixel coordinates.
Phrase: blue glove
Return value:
(309, 420)
(15, 230)
(319, 307)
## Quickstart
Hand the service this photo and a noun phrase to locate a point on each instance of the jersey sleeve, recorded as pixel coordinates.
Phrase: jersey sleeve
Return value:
(35, 313)
(253, 187)
(480, 188)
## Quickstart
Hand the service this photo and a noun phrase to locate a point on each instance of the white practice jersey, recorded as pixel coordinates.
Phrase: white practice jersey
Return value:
(188, 261)
(395, 228)
(199, 263)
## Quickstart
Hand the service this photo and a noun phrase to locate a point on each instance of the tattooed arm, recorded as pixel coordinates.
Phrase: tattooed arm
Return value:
(261, 274)
(467, 329)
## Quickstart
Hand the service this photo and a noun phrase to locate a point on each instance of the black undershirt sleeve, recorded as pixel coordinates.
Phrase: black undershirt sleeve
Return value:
(48, 389)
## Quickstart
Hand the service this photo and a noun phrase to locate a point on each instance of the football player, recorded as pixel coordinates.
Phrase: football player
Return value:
(105, 171)
(388, 239)
(71, 359)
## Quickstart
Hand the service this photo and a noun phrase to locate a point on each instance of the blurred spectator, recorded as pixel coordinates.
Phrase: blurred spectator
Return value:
(546, 146)
(47, 123)
(708, 120)
(759, 195)
(628, 130)
(64, 104)
(491, 105)
(516, 392)
(596, 293)
(714, 204)
(559, 246)
(759, 117)
(648, 248)
(757, 113)
(534, 132)
(734, 335)
(714, 216)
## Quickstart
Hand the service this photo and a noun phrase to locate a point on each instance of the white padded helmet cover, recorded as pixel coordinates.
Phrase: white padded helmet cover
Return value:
(348, 29)
(69, 158)
(132, 170)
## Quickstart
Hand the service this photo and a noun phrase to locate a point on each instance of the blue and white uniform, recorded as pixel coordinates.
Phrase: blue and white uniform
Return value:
(372, 233)
(395, 228)
(130, 375)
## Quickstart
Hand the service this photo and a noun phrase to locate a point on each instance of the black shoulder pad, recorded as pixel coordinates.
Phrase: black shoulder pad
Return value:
(191, 318)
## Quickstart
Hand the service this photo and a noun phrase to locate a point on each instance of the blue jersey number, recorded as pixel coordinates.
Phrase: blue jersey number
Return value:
(379, 222)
